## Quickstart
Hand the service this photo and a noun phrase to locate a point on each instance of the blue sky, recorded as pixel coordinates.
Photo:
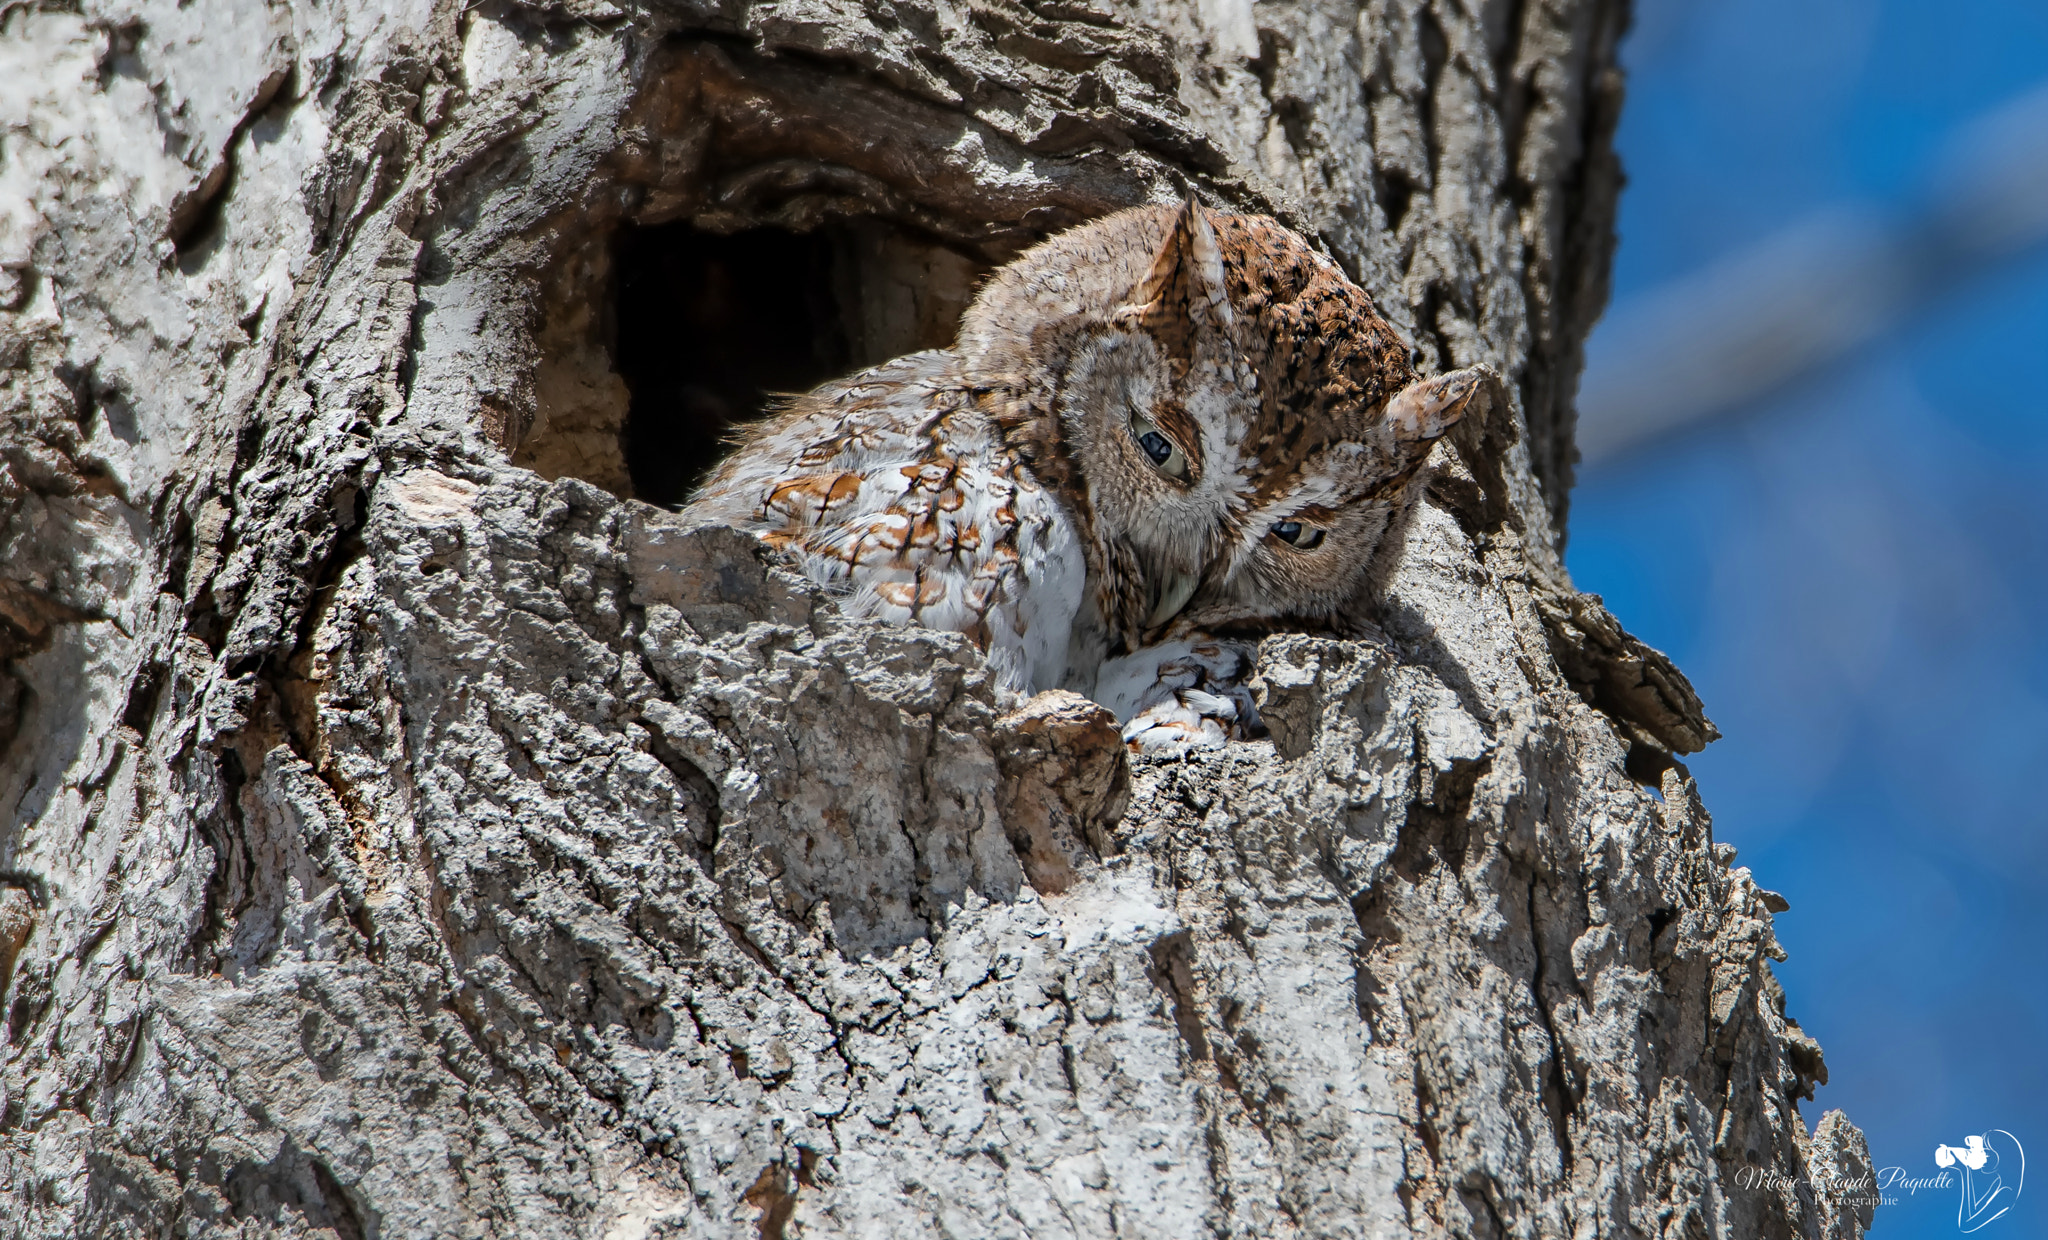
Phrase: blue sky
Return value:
(1854, 572)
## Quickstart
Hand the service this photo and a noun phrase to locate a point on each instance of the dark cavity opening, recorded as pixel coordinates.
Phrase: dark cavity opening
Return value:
(709, 327)
(712, 328)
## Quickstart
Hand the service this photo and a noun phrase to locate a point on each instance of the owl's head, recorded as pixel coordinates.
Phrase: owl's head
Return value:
(1228, 416)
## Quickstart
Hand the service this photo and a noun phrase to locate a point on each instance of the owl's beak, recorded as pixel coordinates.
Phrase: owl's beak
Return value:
(1173, 596)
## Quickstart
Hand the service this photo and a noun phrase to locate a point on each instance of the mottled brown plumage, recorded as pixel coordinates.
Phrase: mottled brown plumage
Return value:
(1163, 425)
(1301, 372)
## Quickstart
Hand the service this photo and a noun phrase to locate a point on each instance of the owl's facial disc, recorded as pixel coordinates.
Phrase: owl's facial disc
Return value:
(1145, 458)
(1156, 445)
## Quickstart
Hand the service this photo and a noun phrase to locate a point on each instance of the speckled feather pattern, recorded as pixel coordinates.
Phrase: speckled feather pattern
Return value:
(895, 487)
(1157, 431)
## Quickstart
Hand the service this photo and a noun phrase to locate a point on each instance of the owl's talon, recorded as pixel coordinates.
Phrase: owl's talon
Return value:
(1175, 739)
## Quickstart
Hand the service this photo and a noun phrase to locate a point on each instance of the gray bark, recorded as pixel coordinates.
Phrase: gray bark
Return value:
(404, 831)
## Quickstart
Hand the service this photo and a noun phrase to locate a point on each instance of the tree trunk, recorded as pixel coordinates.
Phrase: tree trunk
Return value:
(407, 829)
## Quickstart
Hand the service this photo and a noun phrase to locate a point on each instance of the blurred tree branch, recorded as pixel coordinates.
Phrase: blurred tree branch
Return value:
(1716, 342)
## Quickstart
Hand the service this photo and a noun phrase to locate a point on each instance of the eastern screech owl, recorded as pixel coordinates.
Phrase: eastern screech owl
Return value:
(1157, 430)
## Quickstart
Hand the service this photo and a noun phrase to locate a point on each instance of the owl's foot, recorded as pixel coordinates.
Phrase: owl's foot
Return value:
(1187, 722)
(1182, 697)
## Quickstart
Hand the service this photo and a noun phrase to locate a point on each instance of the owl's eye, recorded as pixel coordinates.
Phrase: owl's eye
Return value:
(1166, 456)
(1295, 534)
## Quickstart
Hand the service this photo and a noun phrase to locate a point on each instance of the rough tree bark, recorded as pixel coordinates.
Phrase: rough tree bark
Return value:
(406, 831)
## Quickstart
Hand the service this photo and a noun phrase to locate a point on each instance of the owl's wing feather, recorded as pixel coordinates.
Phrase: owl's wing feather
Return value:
(895, 487)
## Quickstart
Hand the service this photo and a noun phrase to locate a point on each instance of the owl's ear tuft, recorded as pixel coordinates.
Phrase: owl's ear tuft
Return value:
(1427, 408)
(1183, 292)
